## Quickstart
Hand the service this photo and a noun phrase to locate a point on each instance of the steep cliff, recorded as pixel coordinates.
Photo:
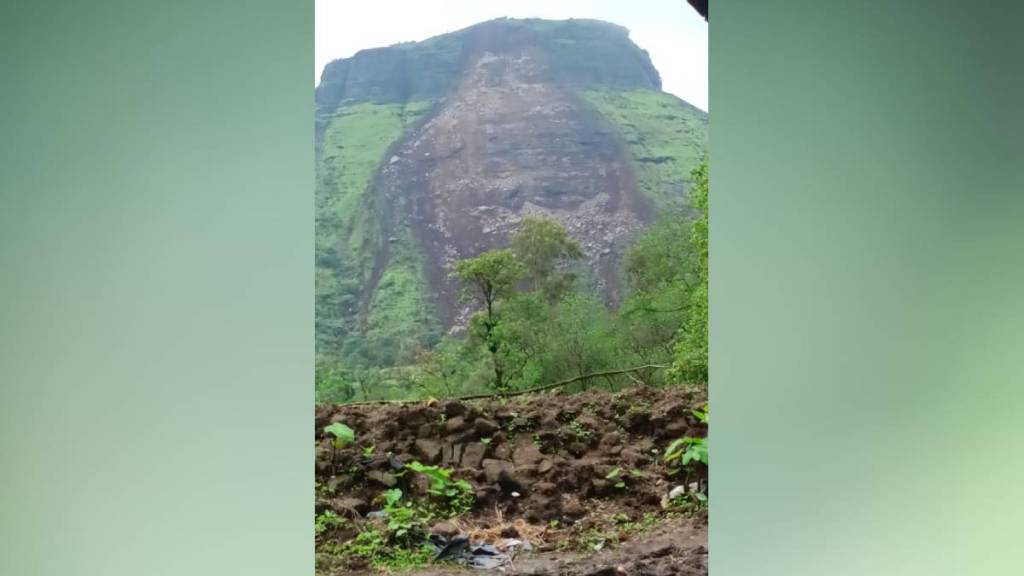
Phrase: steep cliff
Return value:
(433, 151)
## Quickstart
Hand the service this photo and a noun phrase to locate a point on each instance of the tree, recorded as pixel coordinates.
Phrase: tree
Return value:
(660, 275)
(691, 350)
(541, 245)
(333, 385)
(491, 277)
(584, 337)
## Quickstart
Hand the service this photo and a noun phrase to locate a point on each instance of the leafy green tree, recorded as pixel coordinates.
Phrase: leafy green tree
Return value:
(659, 273)
(333, 384)
(541, 245)
(691, 350)
(491, 277)
(584, 337)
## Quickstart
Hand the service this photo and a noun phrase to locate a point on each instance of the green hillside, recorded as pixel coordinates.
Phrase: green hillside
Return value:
(666, 136)
(349, 233)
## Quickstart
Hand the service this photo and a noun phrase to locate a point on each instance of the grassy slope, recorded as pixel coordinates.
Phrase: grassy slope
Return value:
(667, 138)
(348, 233)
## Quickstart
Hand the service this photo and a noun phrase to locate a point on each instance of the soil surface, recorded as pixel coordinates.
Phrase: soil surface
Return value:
(539, 467)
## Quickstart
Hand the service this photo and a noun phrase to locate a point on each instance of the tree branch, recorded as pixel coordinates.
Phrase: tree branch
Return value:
(543, 388)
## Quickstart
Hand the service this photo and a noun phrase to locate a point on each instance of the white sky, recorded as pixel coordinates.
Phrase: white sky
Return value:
(670, 30)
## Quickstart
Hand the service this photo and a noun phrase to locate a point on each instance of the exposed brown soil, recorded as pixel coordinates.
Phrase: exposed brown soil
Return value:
(508, 143)
(538, 467)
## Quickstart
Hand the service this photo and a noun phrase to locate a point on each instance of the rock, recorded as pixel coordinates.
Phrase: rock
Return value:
(345, 506)
(394, 159)
(512, 484)
(485, 427)
(577, 449)
(473, 455)
(572, 509)
(527, 454)
(385, 479)
(428, 451)
(503, 452)
(453, 408)
(493, 469)
(451, 455)
(445, 528)
(338, 483)
(546, 487)
(599, 486)
(456, 424)
(545, 466)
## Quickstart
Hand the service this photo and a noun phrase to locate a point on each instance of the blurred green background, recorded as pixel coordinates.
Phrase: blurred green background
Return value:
(156, 288)
(867, 320)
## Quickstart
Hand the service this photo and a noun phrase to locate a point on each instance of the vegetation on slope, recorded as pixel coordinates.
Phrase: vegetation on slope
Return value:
(667, 139)
(349, 233)
(534, 326)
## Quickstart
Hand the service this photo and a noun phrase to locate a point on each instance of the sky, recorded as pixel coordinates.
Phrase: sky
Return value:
(670, 30)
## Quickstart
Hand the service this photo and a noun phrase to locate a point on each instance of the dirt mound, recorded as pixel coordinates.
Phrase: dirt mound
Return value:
(568, 472)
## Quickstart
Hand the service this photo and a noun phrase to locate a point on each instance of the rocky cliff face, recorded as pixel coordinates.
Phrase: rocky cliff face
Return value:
(434, 151)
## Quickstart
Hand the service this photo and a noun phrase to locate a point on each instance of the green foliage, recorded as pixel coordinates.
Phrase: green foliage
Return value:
(343, 435)
(682, 452)
(613, 530)
(701, 414)
(616, 476)
(374, 548)
(520, 337)
(576, 430)
(327, 520)
(541, 245)
(691, 349)
(405, 519)
(351, 234)
(333, 384)
(453, 497)
(667, 139)
(582, 339)
(491, 276)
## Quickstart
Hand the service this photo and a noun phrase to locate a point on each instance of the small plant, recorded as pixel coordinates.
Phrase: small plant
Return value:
(615, 476)
(322, 490)
(327, 520)
(486, 441)
(690, 502)
(404, 519)
(455, 496)
(701, 414)
(343, 436)
(578, 430)
(683, 451)
(372, 547)
(368, 451)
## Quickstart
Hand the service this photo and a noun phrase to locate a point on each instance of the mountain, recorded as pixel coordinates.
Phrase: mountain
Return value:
(429, 152)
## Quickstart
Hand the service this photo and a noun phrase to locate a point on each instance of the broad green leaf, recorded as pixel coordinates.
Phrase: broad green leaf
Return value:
(341, 432)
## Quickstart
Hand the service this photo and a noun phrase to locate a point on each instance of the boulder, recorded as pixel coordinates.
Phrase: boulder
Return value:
(428, 451)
